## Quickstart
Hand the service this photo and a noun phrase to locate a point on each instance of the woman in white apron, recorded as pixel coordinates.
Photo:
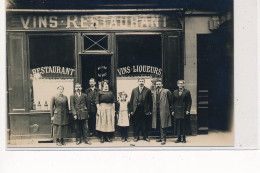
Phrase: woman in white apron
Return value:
(105, 119)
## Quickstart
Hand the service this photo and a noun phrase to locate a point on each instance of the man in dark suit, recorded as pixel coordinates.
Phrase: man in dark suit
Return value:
(78, 104)
(140, 108)
(92, 92)
(181, 109)
(162, 105)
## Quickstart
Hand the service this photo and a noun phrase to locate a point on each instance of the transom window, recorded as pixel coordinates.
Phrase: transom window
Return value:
(95, 42)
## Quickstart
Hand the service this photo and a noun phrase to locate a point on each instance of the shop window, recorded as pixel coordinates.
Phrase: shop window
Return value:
(138, 56)
(51, 65)
(95, 42)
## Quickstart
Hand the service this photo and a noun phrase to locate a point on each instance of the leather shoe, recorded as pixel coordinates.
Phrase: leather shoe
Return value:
(177, 141)
(147, 139)
(158, 140)
(87, 142)
(78, 142)
(62, 141)
(135, 139)
(59, 144)
(57, 141)
(163, 142)
(109, 140)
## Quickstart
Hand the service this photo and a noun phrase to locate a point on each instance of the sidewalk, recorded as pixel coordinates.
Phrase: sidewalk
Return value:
(211, 139)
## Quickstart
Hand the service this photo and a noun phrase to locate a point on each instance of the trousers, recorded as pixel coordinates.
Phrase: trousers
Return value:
(81, 127)
(140, 123)
(180, 126)
(92, 122)
(159, 127)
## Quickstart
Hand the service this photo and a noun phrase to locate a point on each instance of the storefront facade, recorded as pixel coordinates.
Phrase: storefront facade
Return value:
(47, 48)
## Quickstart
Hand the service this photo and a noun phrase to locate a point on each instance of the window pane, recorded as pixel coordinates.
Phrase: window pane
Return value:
(138, 56)
(51, 64)
(95, 42)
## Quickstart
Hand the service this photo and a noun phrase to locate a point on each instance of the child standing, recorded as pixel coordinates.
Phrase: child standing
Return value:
(123, 116)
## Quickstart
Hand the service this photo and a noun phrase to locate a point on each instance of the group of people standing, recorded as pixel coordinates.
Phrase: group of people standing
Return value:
(96, 112)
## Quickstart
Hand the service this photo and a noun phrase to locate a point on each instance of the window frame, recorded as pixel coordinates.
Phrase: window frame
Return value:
(28, 107)
(109, 43)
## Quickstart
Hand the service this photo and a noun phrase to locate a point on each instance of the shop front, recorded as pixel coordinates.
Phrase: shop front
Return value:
(51, 48)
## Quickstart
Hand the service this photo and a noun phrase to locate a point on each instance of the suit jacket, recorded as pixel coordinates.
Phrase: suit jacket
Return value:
(164, 108)
(182, 103)
(91, 101)
(147, 100)
(59, 109)
(78, 106)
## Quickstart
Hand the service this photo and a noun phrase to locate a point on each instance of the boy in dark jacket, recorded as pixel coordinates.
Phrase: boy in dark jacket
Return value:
(181, 109)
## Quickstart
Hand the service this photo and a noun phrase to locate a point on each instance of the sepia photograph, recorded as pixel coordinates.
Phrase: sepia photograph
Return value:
(119, 74)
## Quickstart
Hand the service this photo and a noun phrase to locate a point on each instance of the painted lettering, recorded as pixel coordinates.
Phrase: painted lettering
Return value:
(155, 22)
(33, 71)
(95, 21)
(58, 69)
(34, 21)
(72, 21)
(72, 70)
(42, 21)
(83, 22)
(25, 23)
(53, 21)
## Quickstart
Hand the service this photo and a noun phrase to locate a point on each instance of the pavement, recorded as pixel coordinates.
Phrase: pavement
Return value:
(213, 139)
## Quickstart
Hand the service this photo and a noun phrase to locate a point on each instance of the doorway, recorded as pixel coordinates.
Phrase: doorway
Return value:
(214, 81)
(97, 67)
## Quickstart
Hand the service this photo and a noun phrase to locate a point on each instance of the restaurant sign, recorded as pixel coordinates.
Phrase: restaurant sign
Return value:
(90, 22)
(53, 70)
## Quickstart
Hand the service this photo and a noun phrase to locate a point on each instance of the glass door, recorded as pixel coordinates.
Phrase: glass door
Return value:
(97, 67)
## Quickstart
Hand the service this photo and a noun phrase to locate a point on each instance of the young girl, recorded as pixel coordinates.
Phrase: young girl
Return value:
(123, 116)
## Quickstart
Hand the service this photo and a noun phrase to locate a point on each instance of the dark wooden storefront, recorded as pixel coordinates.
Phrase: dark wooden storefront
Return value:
(73, 32)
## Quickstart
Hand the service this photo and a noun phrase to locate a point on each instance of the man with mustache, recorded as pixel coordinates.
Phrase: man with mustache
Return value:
(162, 104)
(140, 107)
(78, 104)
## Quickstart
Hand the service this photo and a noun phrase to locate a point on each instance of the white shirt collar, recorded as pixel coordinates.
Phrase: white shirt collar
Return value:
(141, 89)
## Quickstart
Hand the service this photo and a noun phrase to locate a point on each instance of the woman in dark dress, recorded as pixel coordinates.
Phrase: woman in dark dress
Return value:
(59, 116)
(105, 119)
